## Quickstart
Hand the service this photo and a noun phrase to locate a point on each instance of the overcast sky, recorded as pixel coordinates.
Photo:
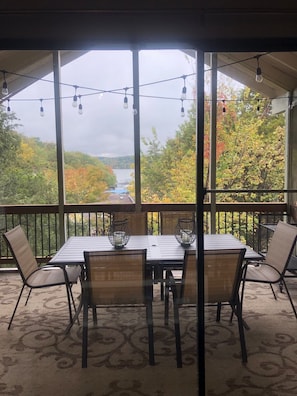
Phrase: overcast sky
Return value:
(105, 127)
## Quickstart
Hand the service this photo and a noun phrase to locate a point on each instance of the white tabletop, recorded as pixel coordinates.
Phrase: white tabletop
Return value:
(159, 248)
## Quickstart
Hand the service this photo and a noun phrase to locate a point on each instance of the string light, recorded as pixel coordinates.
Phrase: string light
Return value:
(41, 110)
(4, 86)
(118, 91)
(224, 106)
(100, 91)
(8, 107)
(80, 107)
(258, 106)
(125, 99)
(259, 77)
(74, 99)
(184, 89)
(182, 110)
(96, 91)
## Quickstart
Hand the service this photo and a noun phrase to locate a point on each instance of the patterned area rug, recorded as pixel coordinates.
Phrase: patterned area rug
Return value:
(38, 359)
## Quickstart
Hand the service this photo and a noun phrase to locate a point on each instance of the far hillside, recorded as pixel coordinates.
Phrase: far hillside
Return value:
(125, 162)
(29, 171)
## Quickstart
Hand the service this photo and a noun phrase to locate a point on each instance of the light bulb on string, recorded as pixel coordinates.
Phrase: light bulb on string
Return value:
(80, 107)
(184, 89)
(74, 99)
(182, 110)
(125, 105)
(8, 109)
(224, 106)
(4, 86)
(41, 110)
(259, 77)
(258, 106)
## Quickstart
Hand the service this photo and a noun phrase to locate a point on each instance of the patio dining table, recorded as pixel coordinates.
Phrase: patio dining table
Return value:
(163, 252)
(160, 248)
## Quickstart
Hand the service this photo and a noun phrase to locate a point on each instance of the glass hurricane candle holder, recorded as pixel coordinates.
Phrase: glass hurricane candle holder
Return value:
(185, 232)
(118, 234)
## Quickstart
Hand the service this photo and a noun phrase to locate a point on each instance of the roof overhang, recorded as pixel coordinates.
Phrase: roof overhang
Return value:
(26, 67)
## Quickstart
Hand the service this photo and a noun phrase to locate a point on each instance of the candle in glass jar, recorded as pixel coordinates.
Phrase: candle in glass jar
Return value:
(118, 237)
(185, 237)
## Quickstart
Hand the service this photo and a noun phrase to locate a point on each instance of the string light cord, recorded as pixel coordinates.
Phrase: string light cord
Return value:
(124, 91)
(238, 61)
(96, 90)
(116, 90)
(152, 97)
(141, 85)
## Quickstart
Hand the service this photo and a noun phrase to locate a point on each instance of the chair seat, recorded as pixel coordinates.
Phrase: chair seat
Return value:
(262, 273)
(49, 275)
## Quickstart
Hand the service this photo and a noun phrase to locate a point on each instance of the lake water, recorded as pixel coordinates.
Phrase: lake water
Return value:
(124, 177)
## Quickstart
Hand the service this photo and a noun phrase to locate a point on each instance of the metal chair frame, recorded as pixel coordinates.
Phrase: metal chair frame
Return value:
(35, 277)
(273, 269)
(223, 290)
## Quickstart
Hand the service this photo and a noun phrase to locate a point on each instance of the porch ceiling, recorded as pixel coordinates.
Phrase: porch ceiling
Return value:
(279, 70)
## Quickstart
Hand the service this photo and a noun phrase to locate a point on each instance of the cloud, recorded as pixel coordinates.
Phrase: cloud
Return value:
(105, 126)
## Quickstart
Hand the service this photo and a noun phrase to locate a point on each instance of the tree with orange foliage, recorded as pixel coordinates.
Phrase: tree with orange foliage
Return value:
(85, 185)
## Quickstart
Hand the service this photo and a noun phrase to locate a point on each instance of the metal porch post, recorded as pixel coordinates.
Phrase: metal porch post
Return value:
(199, 223)
(213, 142)
(60, 147)
(136, 130)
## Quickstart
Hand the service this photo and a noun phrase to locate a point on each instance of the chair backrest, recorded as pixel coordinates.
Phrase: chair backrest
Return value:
(170, 219)
(281, 246)
(137, 221)
(21, 251)
(222, 275)
(115, 277)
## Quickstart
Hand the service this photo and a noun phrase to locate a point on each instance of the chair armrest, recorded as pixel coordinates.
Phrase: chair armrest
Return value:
(255, 263)
(259, 264)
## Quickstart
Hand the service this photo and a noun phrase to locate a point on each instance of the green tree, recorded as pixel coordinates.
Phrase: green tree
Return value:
(253, 155)
(9, 140)
(29, 170)
(29, 179)
(154, 175)
(250, 152)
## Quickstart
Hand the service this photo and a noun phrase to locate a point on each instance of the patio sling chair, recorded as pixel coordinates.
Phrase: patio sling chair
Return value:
(137, 221)
(116, 278)
(34, 276)
(272, 270)
(170, 219)
(222, 272)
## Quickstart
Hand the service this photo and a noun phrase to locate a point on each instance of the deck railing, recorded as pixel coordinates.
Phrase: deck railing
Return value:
(41, 222)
